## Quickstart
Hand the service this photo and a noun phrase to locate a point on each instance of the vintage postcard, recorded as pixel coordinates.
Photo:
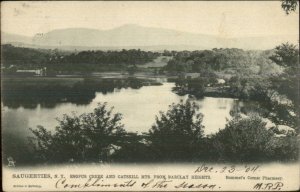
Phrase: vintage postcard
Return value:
(150, 95)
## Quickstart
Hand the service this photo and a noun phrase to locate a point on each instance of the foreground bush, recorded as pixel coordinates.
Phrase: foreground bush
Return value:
(243, 140)
(177, 133)
(248, 140)
(80, 138)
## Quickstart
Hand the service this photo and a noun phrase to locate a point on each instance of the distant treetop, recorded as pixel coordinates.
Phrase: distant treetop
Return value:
(289, 5)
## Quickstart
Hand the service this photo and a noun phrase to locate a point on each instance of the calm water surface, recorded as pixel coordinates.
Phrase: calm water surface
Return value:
(138, 106)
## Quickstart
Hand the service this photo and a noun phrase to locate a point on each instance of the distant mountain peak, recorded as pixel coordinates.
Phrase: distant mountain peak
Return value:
(137, 36)
(128, 27)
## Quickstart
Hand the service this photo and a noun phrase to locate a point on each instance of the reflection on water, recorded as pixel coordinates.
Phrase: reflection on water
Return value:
(138, 106)
(49, 94)
(216, 112)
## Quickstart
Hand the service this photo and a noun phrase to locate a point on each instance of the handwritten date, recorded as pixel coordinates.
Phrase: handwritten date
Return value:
(227, 169)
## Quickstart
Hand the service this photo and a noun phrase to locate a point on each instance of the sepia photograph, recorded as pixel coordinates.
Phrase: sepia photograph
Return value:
(150, 95)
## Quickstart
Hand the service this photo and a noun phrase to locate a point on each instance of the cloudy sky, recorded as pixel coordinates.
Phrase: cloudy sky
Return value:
(226, 19)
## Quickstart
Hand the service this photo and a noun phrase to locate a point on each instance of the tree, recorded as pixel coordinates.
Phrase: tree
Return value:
(177, 133)
(251, 87)
(80, 138)
(287, 83)
(242, 140)
(286, 55)
(289, 6)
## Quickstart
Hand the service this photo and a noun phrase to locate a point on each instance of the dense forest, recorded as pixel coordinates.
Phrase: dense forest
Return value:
(227, 60)
(84, 61)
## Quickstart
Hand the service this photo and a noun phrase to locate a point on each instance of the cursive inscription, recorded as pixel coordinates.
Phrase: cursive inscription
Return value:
(185, 185)
(63, 183)
(268, 186)
(156, 184)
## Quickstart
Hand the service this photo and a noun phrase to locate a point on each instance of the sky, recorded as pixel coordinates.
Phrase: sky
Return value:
(224, 19)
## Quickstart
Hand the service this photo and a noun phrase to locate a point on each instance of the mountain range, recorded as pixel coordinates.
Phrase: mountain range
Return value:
(135, 36)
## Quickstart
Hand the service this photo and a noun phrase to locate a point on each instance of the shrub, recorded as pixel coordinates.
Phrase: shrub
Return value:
(80, 138)
(243, 140)
(176, 134)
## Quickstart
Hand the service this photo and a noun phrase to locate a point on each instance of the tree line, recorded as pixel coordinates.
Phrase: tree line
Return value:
(228, 60)
(83, 61)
